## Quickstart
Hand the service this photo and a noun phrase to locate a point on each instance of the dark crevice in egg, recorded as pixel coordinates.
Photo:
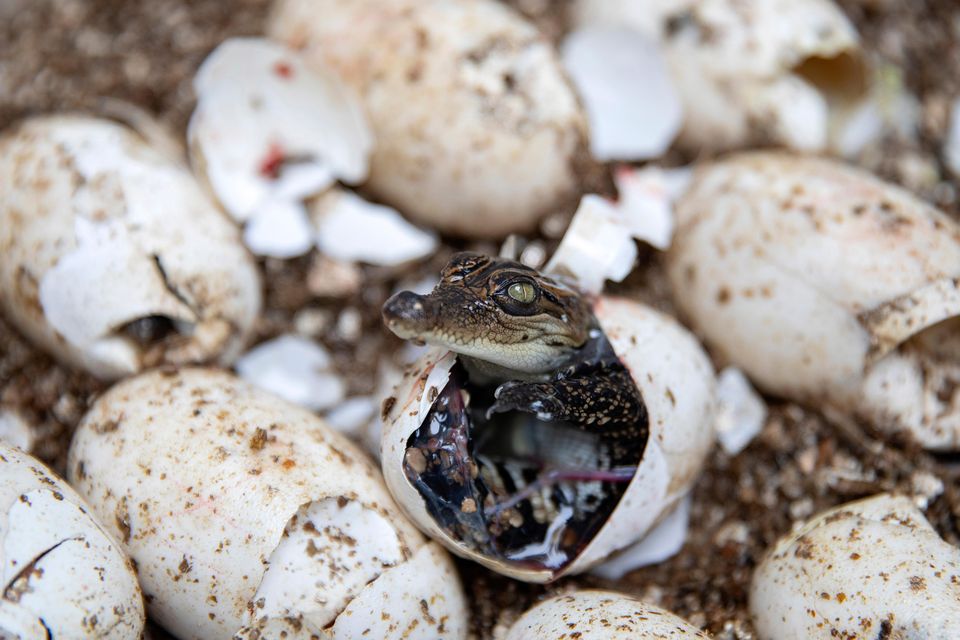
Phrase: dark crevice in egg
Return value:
(149, 330)
(520, 487)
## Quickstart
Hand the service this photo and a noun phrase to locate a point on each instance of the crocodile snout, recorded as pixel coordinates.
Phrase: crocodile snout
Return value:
(408, 315)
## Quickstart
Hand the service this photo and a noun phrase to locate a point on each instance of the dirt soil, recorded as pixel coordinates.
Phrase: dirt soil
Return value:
(58, 55)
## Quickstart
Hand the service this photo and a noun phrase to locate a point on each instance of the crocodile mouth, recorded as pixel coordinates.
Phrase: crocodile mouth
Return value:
(520, 488)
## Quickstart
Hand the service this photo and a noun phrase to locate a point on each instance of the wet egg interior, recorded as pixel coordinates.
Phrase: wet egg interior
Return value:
(525, 487)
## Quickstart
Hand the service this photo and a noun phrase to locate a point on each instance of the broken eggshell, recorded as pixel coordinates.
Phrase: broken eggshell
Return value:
(632, 107)
(476, 127)
(601, 615)
(63, 575)
(111, 256)
(676, 380)
(874, 568)
(269, 131)
(237, 506)
(827, 286)
(748, 71)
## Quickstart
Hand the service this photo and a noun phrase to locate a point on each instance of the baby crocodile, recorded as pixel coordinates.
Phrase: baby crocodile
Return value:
(534, 336)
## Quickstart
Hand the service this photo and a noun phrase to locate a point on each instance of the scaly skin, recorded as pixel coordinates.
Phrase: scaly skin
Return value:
(471, 312)
(535, 348)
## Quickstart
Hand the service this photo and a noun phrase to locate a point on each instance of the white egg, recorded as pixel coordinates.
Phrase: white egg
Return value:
(826, 286)
(748, 71)
(601, 615)
(63, 575)
(868, 569)
(111, 256)
(676, 380)
(239, 507)
(477, 130)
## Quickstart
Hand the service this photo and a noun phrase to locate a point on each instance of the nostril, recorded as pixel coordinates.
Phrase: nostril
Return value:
(405, 305)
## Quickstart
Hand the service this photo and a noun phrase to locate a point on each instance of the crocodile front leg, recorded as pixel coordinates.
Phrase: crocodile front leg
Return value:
(601, 400)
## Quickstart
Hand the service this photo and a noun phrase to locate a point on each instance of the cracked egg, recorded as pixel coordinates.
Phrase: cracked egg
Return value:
(826, 286)
(530, 496)
(248, 515)
(476, 128)
(112, 258)
(64, 576)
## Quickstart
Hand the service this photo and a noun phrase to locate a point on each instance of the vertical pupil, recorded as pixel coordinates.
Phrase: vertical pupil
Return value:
(521, 291)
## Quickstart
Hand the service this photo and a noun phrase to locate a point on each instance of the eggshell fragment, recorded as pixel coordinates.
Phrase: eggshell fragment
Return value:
(294, 368)
(111, 257)
(600, 615)
(951, 146)
(240, 508)
(748, 71)
(676, 380)
(385, 238)
(62, 573)
(476, 126)
(15, 431)
(267, 127)
(631, 104)
(867, 569)
(828, 286)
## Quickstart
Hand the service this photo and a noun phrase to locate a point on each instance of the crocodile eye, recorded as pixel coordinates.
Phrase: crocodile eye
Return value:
(522, 291)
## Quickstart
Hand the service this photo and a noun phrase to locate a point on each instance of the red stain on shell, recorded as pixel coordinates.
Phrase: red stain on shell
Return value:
(272, 161)
(283, 69)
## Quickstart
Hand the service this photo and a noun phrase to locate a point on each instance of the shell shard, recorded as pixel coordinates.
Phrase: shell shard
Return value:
(632, 107)
(268, 127)
(749, 72)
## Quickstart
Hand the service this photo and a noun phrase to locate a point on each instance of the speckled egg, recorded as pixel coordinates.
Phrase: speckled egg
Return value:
(239, 508)
(64, 576)
(868, 569)
(601, 615)
(676, 381)
(827, 286)
(476, 128)
(112, 258)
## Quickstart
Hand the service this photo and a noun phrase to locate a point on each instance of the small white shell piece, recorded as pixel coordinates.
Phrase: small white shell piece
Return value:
(385, 239)
(748, 70)
(476, 126)
(98, 230)
(868, 569)
(238, 506)
(599, 243)
(676, 380)
(15, 431)
(63, 575)
(826, 285)
(601, 615)
(295, 368)
(623, 80)
(268, 132)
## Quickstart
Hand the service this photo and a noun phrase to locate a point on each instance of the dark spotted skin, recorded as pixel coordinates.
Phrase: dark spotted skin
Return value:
(590, 398)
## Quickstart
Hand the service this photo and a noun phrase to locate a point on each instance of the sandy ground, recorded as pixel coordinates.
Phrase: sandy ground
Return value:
(58, 55)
